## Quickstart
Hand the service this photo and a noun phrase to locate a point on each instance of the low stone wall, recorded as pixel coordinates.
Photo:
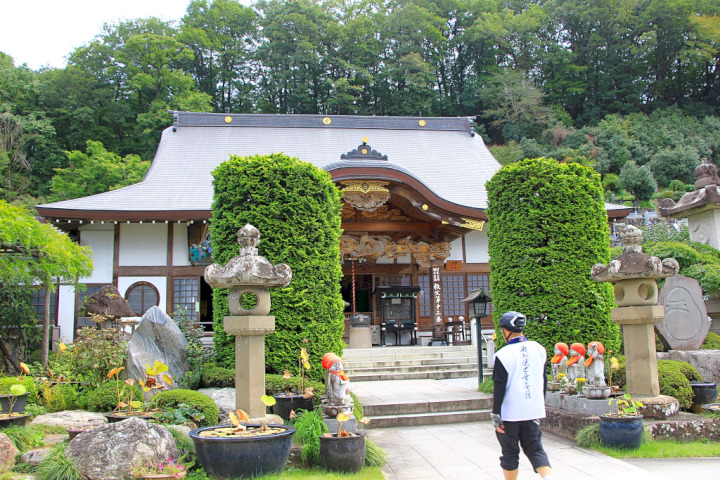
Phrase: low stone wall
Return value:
(707, 362)
(565, 424)
(682, 427)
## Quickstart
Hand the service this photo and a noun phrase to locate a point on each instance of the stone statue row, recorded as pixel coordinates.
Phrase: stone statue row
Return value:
(573, 372)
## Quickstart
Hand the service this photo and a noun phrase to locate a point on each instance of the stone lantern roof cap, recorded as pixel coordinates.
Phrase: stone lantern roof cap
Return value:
(633, 263)
(705, 195)
(248, 268)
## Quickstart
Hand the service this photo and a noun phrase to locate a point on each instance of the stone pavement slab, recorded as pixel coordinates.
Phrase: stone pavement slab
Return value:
(470, 450)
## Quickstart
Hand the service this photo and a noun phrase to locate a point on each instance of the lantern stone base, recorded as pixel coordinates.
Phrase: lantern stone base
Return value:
(249, 332)
(659, 407)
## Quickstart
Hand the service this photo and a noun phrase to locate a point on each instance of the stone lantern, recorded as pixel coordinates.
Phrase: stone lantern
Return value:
(634, 274)
(249, 274)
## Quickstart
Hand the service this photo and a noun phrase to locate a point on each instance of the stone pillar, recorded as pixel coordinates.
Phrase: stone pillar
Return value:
(249, 332)
(639, 339)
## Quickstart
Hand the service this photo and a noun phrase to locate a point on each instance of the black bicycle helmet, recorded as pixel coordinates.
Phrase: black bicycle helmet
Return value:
(513, 321)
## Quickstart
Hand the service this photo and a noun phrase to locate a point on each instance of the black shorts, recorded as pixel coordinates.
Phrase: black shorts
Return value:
(528, 434)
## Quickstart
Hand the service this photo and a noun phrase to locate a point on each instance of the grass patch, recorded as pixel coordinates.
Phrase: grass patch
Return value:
(589, 437)
(487, 386)
(666, 449)
(312, 473)
(57, 466)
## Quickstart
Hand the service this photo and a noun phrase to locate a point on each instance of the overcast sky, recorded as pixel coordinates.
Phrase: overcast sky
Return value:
(43, 32)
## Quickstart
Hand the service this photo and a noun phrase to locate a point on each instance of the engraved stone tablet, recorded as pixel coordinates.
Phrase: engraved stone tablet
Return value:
(686, 321)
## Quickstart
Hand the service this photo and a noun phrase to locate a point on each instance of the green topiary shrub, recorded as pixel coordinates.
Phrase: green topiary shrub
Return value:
(548, 227)
(27, 382)
(219, 377)
(59, 397)
(174, 397)
(674, 378)
(296, 207)
(712, 342)
(105, 397)
(674, 383)
(688, 370)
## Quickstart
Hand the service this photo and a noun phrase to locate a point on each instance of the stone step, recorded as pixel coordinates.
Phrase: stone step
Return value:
(353, 353)
(431, 418)
(415, 375)
(405, 368)
(431, 406)
(423, 362)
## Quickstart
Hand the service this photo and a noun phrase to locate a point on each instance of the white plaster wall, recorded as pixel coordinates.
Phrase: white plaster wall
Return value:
(160, 283)
(66, 312)
(181, 251)
(405, 259)
(476, 247)
(456, 252)
(143, 244)
(101, 243)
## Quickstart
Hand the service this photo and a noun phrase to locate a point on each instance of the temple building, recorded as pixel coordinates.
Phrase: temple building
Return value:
(413, 213)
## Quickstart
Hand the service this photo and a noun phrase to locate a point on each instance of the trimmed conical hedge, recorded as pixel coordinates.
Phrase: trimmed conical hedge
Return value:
(296, 208)
(547, 228)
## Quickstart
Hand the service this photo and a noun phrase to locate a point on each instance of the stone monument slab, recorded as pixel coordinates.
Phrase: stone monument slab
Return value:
(686, 321)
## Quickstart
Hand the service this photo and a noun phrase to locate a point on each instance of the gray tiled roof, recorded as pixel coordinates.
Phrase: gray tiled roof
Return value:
(443, 155)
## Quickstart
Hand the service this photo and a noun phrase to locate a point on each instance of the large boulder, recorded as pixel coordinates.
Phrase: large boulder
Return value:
(157, 337)
(110, 452)
(7, 452)
(70, 419)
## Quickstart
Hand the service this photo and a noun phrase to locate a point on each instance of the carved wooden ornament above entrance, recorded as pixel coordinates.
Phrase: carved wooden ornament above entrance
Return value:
(353, 247)
(365, 195)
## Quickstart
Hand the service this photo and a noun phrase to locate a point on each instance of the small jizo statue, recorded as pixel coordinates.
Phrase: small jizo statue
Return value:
(337, 392)
(559, 361)
(575, 367)
(595, 365)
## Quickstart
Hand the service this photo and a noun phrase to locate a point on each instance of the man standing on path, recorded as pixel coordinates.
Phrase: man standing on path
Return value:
(519, 398)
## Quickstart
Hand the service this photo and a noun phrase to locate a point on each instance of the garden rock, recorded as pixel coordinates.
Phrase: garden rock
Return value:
(157, 337)
(109, 452)
(34, 457)
(70, 419)
(7, 451)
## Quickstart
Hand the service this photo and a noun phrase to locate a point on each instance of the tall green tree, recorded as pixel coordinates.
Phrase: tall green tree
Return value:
(222, 35)
(96, 171)
(36, 253)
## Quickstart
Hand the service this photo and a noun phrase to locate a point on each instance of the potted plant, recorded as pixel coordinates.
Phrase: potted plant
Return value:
(288, 402)
(625, 427)
(127, 405)
(13, 407)
(168, 469)
(342, 451)
(243, 449)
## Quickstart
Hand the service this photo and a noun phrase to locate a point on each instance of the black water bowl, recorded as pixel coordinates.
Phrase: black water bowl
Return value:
(704, 393)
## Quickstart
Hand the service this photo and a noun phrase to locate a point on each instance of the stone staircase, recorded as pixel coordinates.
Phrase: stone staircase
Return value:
(411, 363)
(405, 386)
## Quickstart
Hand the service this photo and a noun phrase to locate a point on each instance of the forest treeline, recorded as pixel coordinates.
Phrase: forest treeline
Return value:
(628, 86)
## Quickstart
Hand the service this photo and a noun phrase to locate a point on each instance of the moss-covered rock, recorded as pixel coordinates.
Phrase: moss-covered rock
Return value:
(173, 398)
